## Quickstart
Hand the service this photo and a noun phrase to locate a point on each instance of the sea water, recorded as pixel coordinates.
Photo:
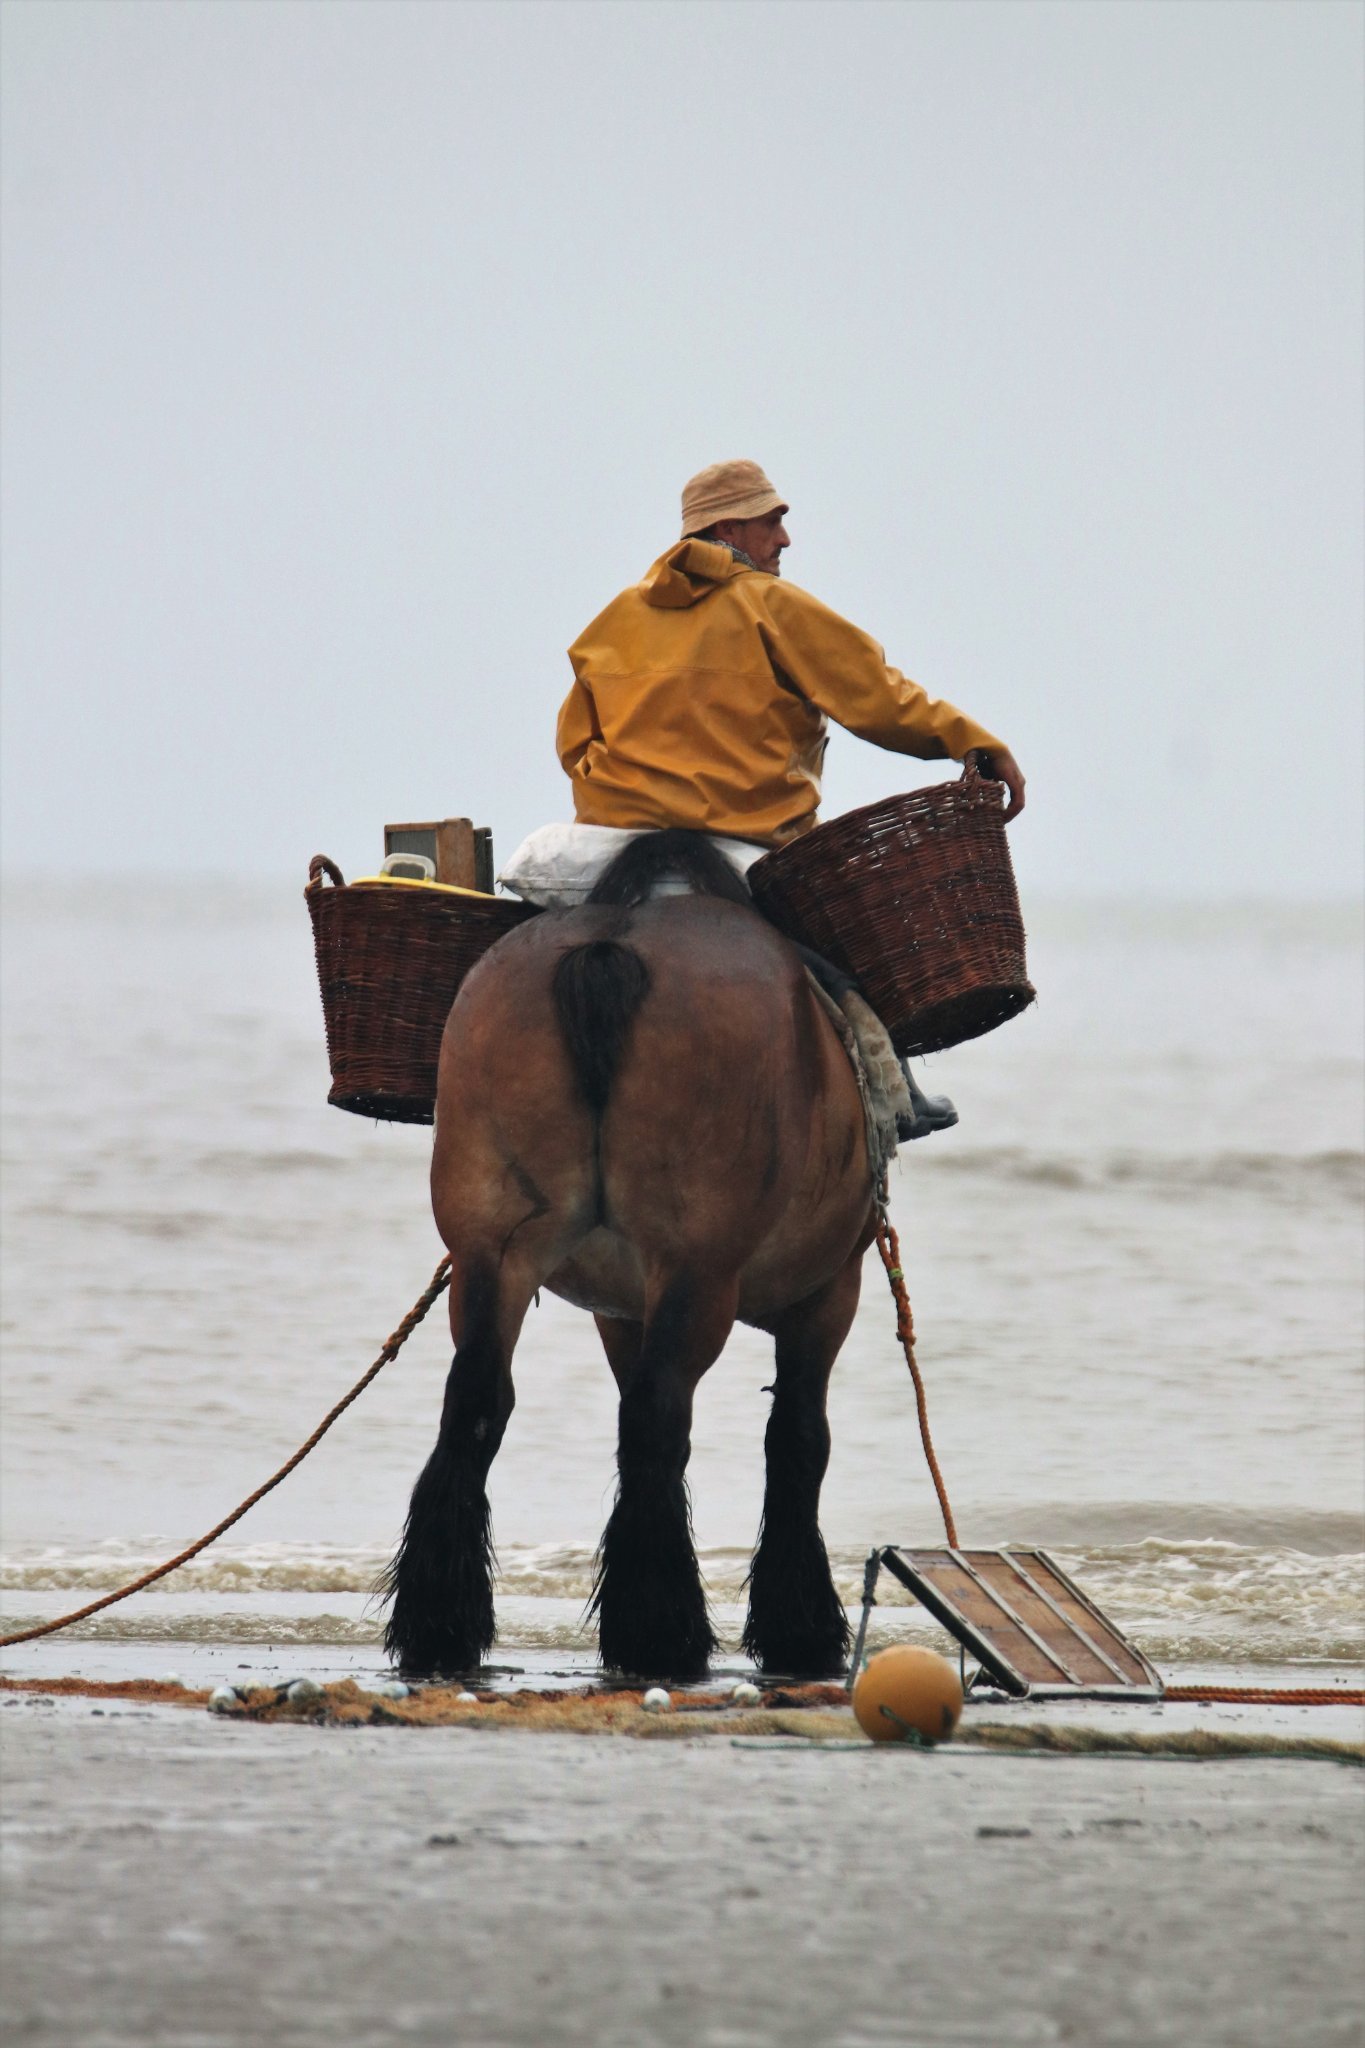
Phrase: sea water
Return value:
(1136, 1270)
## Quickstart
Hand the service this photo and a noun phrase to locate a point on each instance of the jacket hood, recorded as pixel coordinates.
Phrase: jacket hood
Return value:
(689, 572)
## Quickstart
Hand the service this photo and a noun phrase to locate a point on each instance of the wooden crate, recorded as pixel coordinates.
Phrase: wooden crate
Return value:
(462, 851)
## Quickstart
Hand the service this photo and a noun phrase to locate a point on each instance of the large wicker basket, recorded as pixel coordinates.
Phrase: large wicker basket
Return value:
(390, 960)
(915, 898)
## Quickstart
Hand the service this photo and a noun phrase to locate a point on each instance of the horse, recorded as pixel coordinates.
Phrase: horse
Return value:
(644, 1107)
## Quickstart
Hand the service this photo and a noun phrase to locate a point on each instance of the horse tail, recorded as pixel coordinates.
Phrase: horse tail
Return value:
(598, 987)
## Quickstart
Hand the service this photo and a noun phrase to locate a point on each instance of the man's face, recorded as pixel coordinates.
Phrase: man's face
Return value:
(761, 539)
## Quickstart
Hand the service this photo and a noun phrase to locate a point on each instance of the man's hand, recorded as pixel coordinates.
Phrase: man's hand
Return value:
(999, 765)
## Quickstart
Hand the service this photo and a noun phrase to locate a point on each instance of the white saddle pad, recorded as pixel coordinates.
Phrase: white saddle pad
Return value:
(558, 866)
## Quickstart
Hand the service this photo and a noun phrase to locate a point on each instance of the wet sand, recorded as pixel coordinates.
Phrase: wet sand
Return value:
(179, 1880)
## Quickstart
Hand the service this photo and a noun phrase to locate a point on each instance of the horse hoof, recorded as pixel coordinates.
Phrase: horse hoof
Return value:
(433, 1655)
(801, 1657)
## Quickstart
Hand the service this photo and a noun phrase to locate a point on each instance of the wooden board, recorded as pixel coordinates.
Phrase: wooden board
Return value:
(1029, 1625)
(462, 855)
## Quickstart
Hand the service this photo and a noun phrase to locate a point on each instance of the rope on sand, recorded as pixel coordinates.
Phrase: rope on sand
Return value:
(1270, 1696)
(1043, 1739)
(1196, 1745)
(440, 1280)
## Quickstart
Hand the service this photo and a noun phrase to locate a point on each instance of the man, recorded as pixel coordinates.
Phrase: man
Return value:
(702, 696)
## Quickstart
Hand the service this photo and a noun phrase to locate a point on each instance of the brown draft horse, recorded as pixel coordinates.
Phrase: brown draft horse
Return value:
(643, 1108)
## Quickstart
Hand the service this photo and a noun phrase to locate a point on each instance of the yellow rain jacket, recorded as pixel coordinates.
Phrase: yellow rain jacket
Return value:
(701, 698)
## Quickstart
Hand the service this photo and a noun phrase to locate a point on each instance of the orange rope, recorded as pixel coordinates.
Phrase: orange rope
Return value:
(1269, 1695)
(440, 1280)
(888, 1244)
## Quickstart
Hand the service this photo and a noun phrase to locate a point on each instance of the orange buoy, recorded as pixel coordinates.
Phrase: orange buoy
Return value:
(905, 1693)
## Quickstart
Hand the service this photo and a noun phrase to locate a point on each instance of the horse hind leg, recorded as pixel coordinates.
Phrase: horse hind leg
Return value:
(796, 1623)
(439, 1585)
(649, 1602)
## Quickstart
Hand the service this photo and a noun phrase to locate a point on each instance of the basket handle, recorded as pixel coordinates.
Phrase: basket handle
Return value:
(319, 866)
(979, 779)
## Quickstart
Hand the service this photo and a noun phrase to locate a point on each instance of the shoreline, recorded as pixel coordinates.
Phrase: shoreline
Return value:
(514, 1667)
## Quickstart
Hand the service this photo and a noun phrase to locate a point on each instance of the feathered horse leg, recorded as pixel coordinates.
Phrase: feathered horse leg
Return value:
(440, 1582)
(796, 1623)
(649, 1602)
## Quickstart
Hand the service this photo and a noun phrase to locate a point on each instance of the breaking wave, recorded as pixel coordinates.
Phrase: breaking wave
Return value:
(1181, 1599)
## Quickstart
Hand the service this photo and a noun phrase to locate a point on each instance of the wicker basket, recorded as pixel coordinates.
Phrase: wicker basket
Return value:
(915, 898)
(390, 959)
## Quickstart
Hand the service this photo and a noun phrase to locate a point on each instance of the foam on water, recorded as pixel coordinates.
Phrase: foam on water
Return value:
(1207, 1601)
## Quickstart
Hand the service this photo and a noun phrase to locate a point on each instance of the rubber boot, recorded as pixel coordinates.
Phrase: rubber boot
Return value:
(930, 1112)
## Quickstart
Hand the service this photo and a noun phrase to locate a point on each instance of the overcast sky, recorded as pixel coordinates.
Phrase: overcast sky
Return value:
(354, 355)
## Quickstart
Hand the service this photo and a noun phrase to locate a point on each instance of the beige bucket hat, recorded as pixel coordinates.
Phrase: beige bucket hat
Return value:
(727, 490)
